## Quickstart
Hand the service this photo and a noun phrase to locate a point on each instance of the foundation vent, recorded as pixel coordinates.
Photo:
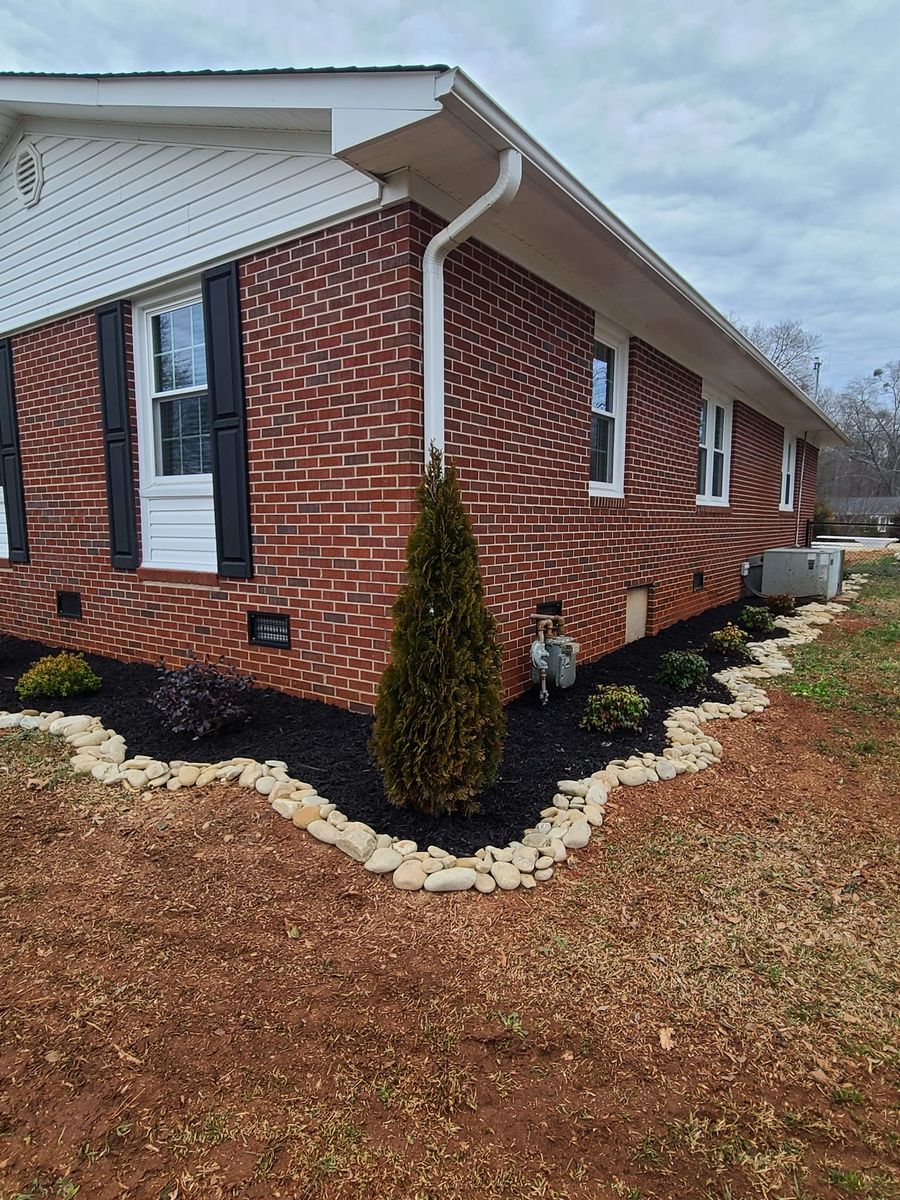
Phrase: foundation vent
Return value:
(269, 629)
(68, 604)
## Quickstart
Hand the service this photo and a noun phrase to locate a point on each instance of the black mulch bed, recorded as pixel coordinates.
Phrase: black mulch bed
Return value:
(326, 746)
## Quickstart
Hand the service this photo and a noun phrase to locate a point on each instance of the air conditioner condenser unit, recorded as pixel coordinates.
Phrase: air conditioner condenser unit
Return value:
(810, 574)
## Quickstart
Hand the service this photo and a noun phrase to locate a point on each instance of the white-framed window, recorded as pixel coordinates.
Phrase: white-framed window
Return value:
(4, 532)
(174, 438)
(714, 449)
(609, 398)
(788, 473)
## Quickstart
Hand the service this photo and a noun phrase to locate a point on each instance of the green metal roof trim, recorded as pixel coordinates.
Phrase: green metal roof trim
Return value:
(222, 71)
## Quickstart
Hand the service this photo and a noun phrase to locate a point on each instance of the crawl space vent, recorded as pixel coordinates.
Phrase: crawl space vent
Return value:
(29, 174)
(269, 629)
(68, 604)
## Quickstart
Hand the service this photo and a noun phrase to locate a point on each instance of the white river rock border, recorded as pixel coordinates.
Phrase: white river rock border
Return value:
(568, 823)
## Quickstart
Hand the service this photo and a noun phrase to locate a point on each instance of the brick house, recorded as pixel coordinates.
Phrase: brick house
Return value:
(221, 359)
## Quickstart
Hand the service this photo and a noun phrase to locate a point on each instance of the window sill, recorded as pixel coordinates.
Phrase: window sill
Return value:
(599, 490)
(177, 575)
(178, 486)
(5, 564)
(712, 502)
(786, 508)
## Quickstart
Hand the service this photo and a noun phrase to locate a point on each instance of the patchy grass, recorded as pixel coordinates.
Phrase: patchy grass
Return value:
(855, 675)
(202, 1003)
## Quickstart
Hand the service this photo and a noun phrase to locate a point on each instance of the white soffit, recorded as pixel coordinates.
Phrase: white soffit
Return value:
(573, 241)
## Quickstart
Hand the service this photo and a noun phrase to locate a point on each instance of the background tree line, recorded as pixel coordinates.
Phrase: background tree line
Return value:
(866, 409)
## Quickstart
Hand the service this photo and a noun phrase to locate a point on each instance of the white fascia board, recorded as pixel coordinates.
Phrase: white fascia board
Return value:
(461, 96)
(400, 90)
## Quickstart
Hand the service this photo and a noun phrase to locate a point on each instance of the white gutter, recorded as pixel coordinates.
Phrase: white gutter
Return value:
(508, 181)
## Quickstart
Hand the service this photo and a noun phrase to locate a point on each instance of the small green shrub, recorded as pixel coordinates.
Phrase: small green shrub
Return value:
(756, 619)
(781, 605)
(683, 669)
(729, 641)
(613, 707)
(202, 697)
(58, 676)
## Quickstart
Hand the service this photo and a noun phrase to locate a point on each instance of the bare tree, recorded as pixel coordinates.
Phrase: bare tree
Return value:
(869, 414)
(789, 346)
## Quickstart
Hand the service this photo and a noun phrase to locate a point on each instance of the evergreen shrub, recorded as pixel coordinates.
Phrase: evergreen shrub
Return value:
(615, 706)
(57, 676)
(439, 719)
(756, 619)
(730, 641)
(683, 669)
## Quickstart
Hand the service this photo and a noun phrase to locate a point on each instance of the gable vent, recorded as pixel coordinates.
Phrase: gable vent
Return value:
(29, 174)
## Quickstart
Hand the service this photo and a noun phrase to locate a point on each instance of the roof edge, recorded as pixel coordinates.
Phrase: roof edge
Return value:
(455, 85)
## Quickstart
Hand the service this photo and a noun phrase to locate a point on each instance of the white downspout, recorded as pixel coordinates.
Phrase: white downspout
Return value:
(508, 181)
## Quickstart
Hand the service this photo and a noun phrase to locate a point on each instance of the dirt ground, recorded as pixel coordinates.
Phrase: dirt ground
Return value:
(199, 1001)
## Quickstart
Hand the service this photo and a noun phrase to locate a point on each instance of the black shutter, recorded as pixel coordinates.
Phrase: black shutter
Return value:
(117, 435)
(225, 375)
(10, 460)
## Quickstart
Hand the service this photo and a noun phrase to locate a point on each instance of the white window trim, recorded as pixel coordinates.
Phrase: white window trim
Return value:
(789, 449)
(152, 485)
(713, 396)
(617, 340)
(4, 532)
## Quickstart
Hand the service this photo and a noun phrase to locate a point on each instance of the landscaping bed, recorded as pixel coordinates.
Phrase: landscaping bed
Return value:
(199, 1004)
(327, 746)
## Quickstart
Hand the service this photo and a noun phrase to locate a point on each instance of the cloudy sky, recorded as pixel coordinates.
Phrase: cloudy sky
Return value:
(755, 145)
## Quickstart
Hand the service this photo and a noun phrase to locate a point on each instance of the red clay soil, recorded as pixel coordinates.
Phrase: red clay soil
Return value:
(200, 1001)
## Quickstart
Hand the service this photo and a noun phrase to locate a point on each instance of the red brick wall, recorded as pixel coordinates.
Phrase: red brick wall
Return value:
(518, 410)
(332, 337)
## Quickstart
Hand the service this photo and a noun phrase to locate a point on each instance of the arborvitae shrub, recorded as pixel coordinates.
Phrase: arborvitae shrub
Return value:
(57, 676)
(730, 641)
(613, 707)
(756, 619)
(781, 604)
(202, 697)
(683, 669)
(439, 719)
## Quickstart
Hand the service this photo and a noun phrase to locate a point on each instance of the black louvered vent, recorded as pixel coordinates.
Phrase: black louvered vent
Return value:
(68, 604)
(697, 584)
(269, 629)
(550, 608)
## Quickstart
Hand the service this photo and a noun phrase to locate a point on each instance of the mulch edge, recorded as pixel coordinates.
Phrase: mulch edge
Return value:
(569, 822)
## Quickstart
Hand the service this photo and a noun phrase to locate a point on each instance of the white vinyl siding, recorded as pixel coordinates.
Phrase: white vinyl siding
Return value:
(4, 532)
(178, 523)
(117, 215)
(179, 532)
